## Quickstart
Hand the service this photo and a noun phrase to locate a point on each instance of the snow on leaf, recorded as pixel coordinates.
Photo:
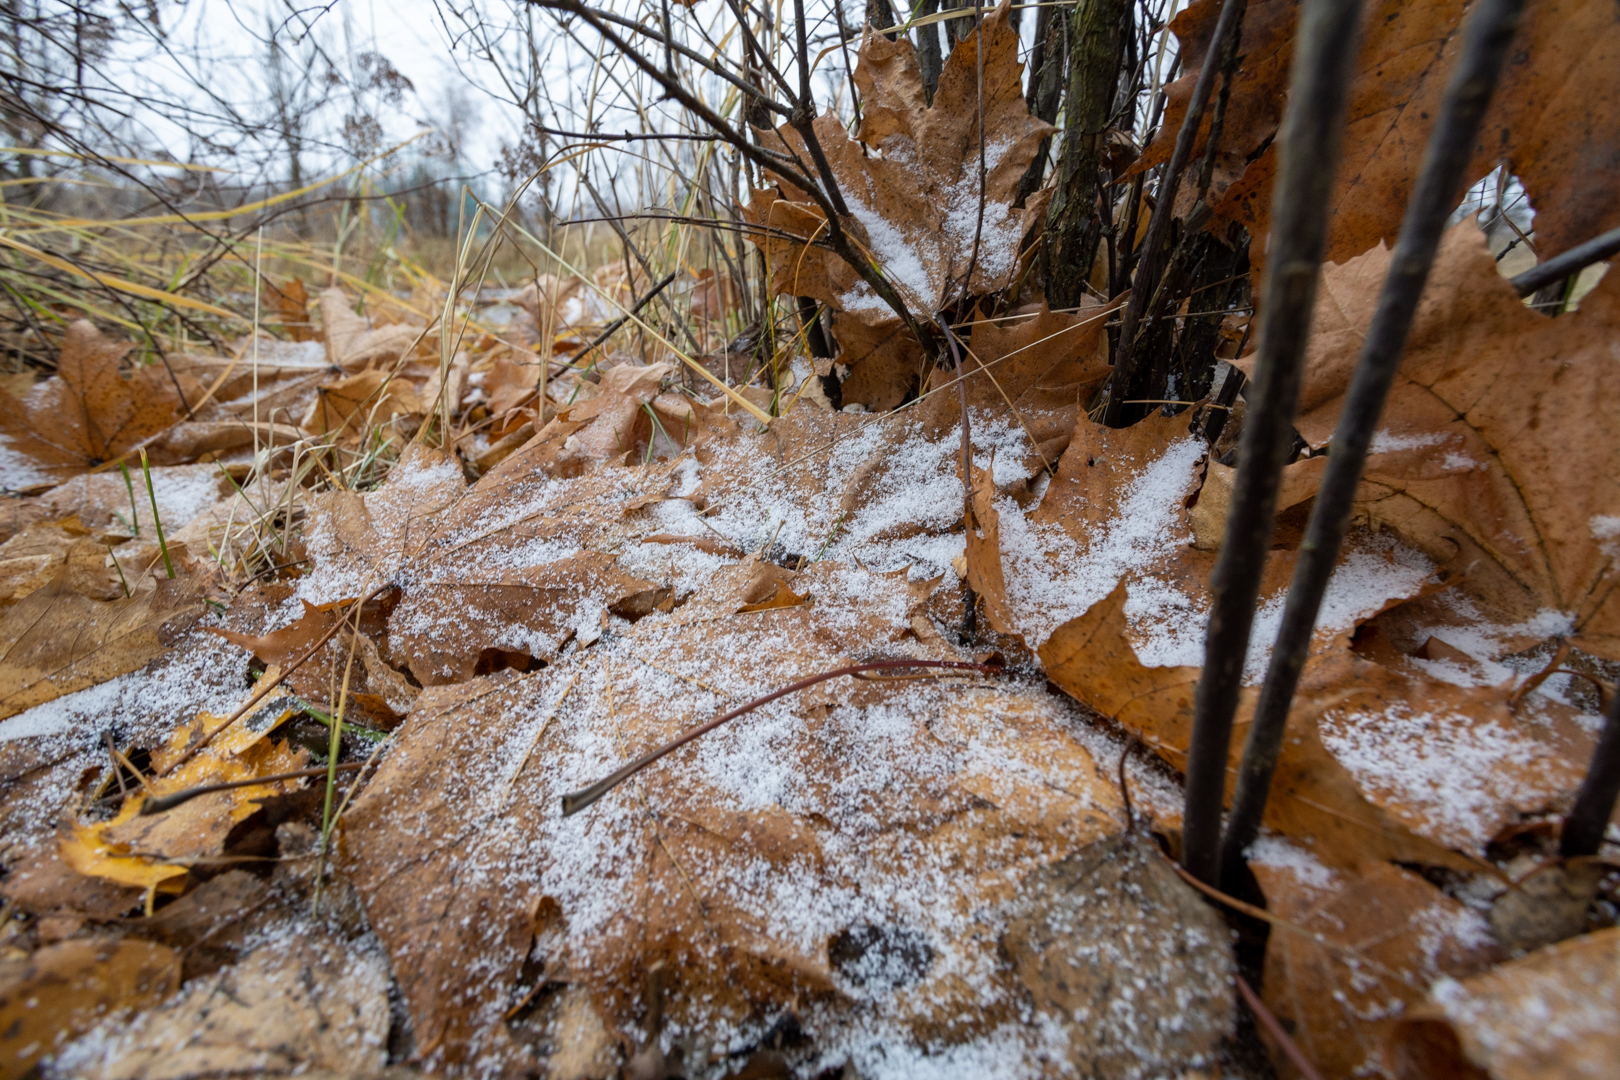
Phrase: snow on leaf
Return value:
(915, 205)
(1354, 955)
(1552, 1015)
(1497, 450)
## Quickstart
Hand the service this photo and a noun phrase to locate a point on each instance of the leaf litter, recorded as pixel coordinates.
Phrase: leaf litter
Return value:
(953, 874)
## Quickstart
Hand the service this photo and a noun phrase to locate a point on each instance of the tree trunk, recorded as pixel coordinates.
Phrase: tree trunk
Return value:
(1045, 91)
(929, 58)
(1073, 225)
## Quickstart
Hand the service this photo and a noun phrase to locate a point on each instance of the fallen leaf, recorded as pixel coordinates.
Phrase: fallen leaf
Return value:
(1127, 958)
(562, 307)
(88, 414)
(1454, 764)
(513, 381)
(916, 208)
(1552, 1015)
(1254, 105)
(981, 784)
(54, 641)
(1357, 951)
(610, 426)
(301, 1004)
(352, 343)
(1551, 121)
(1313, 794)
(769, 588)
(291, 304)
(40, 554)
(1300, 482)
(520, 565)
(63, 990)
(360, 540)
(1034, 370)
(354, 405)
(1496, 453)
(983, 556)
(150, 851)
(713, 296)
(103, 504)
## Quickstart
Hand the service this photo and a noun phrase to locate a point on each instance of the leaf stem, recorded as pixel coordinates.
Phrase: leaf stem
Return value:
(575, 801)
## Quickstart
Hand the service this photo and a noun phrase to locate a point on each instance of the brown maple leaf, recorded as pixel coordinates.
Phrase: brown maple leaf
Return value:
(916, 206)
(54, 641)
(1356, 949)
(1497, 452)
(291, 303)
(1032, 361)
(1554, 120)
(1497, 1023)
(464, 871)
(87, 414)
(352, 342)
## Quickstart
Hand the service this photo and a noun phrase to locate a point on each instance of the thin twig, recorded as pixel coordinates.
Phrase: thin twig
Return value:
(1589, 818)
(1159, 224)
(1269, 1021)
(1562, 266)
(164, 803)
(1324, 57)
(1489, 35)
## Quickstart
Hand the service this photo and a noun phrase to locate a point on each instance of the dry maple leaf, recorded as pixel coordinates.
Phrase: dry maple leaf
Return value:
(1553, 121)
(63, 990)
(152, 851)
(968, 787)
(610, 426)
(1100, 581)
(1032, 364)
(352, 343)
(377, 694)
(291, 304)
(360, 540)
(54, 641)
(1497, 451)
(1313, 795)
(916, 210)
(353, 406)
(1355, 950)
(300, 1004)
(87, 414)
(1552, 1015)
(504, 572)
(1377, 763)
(513, 381)
(38, 555)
